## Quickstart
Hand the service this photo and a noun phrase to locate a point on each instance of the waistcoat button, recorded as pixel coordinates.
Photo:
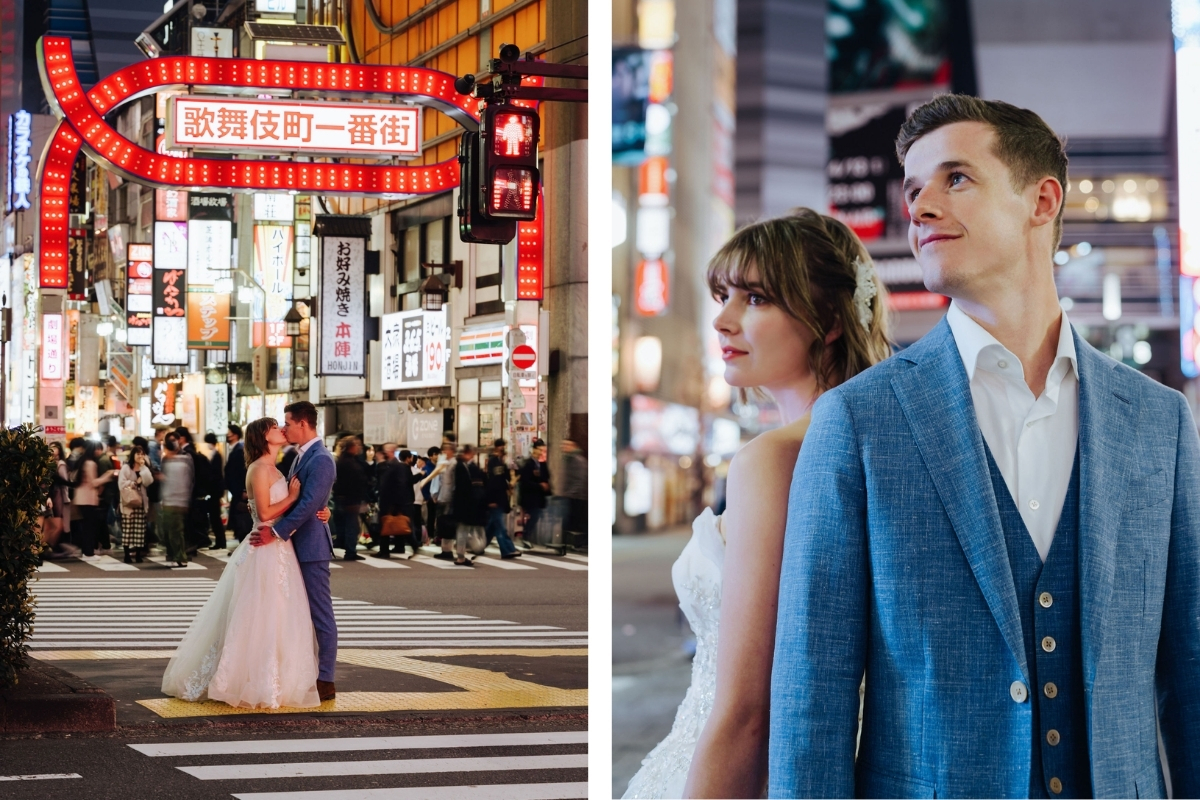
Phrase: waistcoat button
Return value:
(1052, 737)
(1048, 644)
(1018, 692)
(1051, 691)
(1045, 599)
(1056, 785)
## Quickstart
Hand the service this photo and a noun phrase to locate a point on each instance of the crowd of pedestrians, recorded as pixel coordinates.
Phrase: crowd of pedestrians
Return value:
(169, 492)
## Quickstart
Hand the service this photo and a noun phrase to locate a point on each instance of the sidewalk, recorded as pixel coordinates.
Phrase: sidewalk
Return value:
(652, 665)
(47, 699)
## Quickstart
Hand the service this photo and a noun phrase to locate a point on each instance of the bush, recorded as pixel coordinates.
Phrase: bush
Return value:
(26, 473)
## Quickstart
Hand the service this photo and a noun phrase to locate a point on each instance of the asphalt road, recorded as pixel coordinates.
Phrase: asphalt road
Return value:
(424, 649)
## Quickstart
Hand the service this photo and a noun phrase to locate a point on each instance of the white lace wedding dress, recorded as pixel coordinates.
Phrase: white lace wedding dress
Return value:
(697, 578)
(252, 644)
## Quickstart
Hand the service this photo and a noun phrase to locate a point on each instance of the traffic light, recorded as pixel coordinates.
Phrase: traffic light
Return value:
(510, 173)
(473, 226)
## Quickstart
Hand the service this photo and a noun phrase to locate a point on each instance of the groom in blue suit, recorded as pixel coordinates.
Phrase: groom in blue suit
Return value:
(998, 528)
(310, 537)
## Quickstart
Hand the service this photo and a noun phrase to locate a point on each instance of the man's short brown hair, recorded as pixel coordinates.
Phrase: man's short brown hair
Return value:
(303, 411)
(1024, 142)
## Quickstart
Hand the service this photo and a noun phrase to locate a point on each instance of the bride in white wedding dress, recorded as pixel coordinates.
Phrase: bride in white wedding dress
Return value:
(802, 311)
(252, 644)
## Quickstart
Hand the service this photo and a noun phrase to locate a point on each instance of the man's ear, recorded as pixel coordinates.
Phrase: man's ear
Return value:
(1048, 199)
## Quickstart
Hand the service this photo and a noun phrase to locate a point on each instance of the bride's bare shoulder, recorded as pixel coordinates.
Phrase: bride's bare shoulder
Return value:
(767, 453)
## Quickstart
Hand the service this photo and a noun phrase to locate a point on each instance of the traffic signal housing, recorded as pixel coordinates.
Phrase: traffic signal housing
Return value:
(510, 156)
(473, 225)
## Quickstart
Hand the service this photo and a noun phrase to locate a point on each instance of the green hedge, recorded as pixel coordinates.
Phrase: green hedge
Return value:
(26, 473)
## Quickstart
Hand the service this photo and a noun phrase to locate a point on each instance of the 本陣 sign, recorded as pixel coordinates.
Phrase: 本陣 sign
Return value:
(225, 124)
(342, 314)
(414, 349)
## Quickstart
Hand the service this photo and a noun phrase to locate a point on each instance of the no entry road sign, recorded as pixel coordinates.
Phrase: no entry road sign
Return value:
(523, 356)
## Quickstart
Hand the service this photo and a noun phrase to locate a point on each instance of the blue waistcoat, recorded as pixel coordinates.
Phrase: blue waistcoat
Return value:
(1048, 597)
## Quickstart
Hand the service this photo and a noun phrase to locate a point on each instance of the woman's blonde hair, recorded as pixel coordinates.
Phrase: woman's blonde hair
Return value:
(807, 264)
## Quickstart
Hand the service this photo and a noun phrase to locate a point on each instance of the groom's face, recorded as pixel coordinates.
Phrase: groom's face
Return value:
(291, 429)
(968, 225)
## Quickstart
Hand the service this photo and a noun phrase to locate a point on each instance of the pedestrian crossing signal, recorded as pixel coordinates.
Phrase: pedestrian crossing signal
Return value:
(510, 171)
(473, 224)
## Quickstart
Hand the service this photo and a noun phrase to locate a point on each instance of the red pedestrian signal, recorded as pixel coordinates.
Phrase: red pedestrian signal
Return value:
(473, 224)
(510, 172)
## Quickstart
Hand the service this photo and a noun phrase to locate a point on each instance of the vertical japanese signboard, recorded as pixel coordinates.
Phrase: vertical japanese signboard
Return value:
(139, 294)
(52, 347)
(414, 349)
(170, 205)
(162, 402)
(216, 408)
(273, 258)
(169, 294)
(207, 320)
(342, 313)
(209, 246)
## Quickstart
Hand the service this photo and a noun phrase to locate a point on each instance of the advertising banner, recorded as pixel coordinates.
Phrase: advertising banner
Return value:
(170, 245)
(162, 401)
(52, 347)
(274, 207)
(415, 348)
(170, 316)
(208, 321)
(216, 408)
(286, 126)
(273, 260)
(341, 306)
(170, 205)
(210, 206)
(209, 246)
(139, 297)
(424, 431)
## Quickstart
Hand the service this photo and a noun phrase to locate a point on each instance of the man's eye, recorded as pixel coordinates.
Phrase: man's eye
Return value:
(954, 176)
(912, 194)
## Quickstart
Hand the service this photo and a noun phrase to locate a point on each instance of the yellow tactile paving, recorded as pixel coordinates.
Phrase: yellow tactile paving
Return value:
(104, 655)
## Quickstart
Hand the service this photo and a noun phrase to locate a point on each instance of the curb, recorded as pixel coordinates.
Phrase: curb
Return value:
(47, 699)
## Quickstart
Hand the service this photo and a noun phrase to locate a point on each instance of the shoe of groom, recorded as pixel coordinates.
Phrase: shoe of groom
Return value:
(326, 690)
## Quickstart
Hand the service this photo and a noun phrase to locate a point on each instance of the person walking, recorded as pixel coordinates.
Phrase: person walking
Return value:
(349, 493)
(428, 498)
(134, 478)
(178, 468)
(240, 521)
(195, 525)
(88, 496)
(397, 497)
(443, 491)
(469, 511)
(575, 490)
(498, 498)
(533, 487)
(216, 491)
(152, 491)
(59, 521)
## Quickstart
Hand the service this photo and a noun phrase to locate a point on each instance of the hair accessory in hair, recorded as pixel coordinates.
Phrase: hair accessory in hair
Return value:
(865, 289)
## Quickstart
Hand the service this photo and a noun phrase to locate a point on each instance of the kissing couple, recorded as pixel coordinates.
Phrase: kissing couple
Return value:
(967, 569)
(266, 637)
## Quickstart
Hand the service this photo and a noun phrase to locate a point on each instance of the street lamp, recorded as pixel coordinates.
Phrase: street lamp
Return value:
(292, 319)
(104, 328)
(434, 292)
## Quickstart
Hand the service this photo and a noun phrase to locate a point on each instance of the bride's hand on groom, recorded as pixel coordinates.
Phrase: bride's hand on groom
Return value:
(323, 515)
(294, 489)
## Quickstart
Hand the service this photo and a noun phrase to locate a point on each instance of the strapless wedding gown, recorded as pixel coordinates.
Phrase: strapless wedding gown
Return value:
(252, 644)
(697, 578)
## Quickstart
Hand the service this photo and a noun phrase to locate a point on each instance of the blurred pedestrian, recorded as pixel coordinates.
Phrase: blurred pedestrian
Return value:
(177, 468)
(397, 498)
(195, 525)
(57, 526)
(349, 493)
(88, 498)
(470, 511)
(427, 496)
(152, 491)
(533, 487)
(240, 521)
(575, 485)
(108, 460)
(134, 478)
(498, 497)
(443, 490)
(216, 491)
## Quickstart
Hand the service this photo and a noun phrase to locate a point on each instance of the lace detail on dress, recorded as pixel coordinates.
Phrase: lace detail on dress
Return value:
(196, 685)
(697, 577)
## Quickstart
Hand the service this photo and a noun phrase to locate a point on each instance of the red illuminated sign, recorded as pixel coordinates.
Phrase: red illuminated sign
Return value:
(530, 247)
(651, 287)
(917, 301)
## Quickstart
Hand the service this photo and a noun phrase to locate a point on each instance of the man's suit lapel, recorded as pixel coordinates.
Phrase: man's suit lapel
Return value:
(936, 400)
(1108, 407)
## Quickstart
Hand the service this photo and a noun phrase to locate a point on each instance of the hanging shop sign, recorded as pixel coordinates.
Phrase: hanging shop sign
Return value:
(170, 205)
(210, 206)
(273, 260)
(414, 349)
(651, 287)
(162, 401)
(52, 347)
(482, 345)
(269, 207)
(223, 124)
(342, 313)
(77, 190)
(20, 182)
(139, 294)
(207, 320)
(77, 282)
(216, 408)
(170, 245)
(169, 337)
(209, 248)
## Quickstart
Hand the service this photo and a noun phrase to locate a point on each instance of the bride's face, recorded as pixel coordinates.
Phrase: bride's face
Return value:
(275, 436)
(761, 344)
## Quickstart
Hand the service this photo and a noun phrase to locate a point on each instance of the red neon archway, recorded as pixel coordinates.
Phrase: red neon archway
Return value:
(83, 126)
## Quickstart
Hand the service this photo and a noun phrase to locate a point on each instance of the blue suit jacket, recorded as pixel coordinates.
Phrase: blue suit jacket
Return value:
(312, 539)
(895, 564)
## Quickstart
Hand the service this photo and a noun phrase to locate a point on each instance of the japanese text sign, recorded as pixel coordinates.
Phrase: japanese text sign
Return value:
(341, 309)
(162, 401)
(208, 321)
(52, 347)
(225, 124)
(170, 205)
(210, 243)
(415, 349)
(170, 245)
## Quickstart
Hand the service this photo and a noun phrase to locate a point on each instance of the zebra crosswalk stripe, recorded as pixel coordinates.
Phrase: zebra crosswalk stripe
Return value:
(355, 744)
(404, 766)
(499, 791)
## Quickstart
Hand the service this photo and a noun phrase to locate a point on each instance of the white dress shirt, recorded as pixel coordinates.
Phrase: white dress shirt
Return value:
(1033, 440)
